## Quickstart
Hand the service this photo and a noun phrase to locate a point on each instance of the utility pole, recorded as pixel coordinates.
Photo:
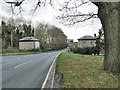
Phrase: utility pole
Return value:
(11, 39)
(69, 41)
(12, 30)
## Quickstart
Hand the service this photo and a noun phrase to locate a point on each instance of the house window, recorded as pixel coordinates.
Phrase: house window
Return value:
(91, 42)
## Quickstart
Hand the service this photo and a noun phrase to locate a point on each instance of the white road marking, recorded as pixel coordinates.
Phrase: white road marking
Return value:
(22, 64)
(45, 81)
(53, 79)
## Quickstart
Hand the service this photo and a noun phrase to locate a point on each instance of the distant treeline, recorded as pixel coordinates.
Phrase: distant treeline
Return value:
(50, 36)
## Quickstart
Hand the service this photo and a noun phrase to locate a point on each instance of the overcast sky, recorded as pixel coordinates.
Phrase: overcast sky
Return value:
(48, 15)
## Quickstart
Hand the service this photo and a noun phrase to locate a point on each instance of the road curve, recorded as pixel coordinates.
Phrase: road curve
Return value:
(26, 71)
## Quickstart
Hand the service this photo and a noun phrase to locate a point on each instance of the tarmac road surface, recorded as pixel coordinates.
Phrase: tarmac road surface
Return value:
(26, 71)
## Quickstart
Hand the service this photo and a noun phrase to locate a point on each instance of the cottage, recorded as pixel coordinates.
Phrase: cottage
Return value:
(29, 43)
(86, 41)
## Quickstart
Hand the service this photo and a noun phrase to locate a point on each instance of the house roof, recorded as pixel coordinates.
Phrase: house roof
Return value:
(28, 39)
(87, 37)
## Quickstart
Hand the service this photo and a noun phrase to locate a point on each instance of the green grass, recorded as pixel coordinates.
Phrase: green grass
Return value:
(19, 53)
(84, 71)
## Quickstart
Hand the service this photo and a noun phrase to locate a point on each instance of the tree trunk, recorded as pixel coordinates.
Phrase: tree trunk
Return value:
(119, 41)
(110, 19)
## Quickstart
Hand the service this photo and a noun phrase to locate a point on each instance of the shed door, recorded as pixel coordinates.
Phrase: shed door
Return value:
(37, 44)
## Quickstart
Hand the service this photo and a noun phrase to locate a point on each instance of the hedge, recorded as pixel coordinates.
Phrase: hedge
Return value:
(87, 50)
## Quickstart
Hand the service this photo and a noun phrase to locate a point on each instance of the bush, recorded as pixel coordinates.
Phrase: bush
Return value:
(96, 50)
(33, 50)
(47, 50)
(10, 50)
(87, 50)
(82, 51)
(75, 50)
(30, 50)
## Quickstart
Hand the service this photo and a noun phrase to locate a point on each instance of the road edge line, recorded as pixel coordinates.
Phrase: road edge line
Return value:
(53, 79)
(44, 83)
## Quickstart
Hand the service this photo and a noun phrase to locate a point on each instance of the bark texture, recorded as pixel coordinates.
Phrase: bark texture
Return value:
(109, 14)
(119, 40)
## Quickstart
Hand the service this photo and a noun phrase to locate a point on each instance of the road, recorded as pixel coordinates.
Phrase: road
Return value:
(26, 71)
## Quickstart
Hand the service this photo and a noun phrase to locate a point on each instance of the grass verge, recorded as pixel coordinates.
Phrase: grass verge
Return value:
(19, 53)
(84, 71)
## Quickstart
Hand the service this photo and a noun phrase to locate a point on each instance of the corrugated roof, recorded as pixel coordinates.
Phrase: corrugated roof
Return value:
(87, 37)
(28, 39)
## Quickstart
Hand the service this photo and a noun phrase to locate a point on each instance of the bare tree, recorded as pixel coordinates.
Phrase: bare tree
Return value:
(50, 36)
(109, 14)
(72, 14)
(15, 4)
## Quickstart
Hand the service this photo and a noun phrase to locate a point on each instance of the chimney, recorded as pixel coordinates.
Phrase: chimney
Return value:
(94, 35)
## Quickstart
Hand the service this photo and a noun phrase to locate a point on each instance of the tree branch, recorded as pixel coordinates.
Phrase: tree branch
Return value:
(72, 14)
(74, 19)
(16, 4)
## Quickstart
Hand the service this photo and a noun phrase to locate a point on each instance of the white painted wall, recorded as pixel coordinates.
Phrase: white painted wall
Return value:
(26, 45)
(37, 44)
(86, 43)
